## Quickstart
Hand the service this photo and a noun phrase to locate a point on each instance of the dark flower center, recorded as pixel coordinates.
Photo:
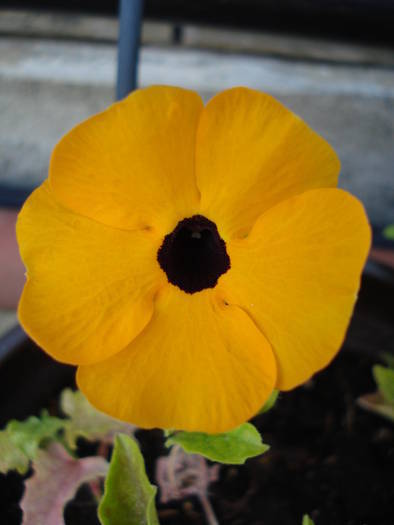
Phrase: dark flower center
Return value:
(194, 255)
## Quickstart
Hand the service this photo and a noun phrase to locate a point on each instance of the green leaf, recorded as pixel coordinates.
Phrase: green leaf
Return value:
(377, 404)
(129, 498)
(20, 441)
(86, 421)
(270, 403)
(11, 457)
(381, 402)
(384, 378)
(306, 520)
(29, 434)
(233, 447)
(388, 232)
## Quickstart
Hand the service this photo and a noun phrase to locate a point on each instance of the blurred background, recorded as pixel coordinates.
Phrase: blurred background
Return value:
(332, 62)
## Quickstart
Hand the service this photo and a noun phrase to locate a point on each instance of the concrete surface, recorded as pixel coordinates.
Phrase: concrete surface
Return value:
(46, 87)
(7, 320)
(58, 25)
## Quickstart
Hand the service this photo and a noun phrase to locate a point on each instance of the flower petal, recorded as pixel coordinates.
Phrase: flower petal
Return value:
(90, 288)
(200, 365)
(252, 153)
(132, 166)
(297, 275)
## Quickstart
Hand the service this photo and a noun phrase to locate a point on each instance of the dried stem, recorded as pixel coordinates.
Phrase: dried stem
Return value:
(208, 510)
(172, 464)
(181, 475)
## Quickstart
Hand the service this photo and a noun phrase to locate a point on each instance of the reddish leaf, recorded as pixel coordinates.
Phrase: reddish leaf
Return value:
(55, 481)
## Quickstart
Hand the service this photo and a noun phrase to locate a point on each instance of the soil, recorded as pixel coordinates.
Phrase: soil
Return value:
(328, 457)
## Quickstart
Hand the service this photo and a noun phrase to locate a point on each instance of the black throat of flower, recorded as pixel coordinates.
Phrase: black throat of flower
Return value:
(194, 255)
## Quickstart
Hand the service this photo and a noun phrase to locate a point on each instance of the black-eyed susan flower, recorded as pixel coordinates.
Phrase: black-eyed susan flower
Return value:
(190, 259)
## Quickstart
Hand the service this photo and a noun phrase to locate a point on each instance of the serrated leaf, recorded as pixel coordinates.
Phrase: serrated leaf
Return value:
(377, 404)
(384, 378)
(86, 421)
(29, 434)
(11, 457)
(306, 520)
(129, 498)
(55, 481)
(233, 447)
(388, 232)
(270, 403)
(20, 441)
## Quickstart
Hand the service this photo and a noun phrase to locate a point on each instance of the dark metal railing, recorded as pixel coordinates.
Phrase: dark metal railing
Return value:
(130, 22)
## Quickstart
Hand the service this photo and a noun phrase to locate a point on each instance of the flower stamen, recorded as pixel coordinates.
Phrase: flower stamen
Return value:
(194, 255)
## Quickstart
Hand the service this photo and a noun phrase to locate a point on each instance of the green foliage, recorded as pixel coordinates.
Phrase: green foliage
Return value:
(270, 403)
(20, 441)
(375, 403)
(384, 378)
(381, 402)
(86, 421)
(129, 498)
(11, 457)
(29, 434)
(233, 447)
(306, 520)
(388, 232)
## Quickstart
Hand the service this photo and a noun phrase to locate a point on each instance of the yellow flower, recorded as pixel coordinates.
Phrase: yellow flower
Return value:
(190, 259)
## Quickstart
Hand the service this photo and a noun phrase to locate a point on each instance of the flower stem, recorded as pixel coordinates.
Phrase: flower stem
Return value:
(208, 510)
